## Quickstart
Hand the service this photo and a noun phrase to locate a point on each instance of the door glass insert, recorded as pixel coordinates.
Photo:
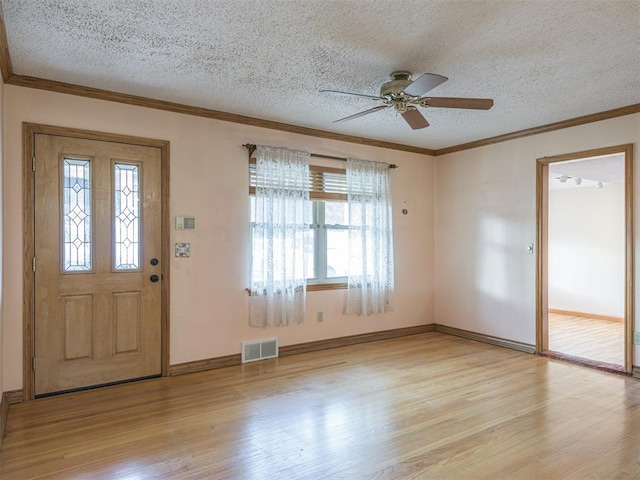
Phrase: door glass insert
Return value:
(127, 217)
(76, 215)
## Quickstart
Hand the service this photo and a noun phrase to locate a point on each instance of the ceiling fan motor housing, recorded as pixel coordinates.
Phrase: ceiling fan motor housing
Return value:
(399, 81)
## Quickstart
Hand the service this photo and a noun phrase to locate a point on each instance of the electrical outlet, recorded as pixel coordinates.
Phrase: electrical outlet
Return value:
(636, 338)
(320, 316)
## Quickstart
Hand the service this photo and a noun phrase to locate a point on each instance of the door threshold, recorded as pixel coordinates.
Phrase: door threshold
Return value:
(586, 362)
(93, 387)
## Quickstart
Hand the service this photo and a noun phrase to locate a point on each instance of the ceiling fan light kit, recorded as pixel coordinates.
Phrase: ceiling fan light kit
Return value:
(402, 93)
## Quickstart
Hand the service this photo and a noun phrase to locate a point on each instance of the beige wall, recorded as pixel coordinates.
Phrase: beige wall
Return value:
(209, 305)
(485, 216)
(586, 249)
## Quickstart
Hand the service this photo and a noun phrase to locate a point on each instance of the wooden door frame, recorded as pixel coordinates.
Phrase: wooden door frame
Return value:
(542, 212)
(29, 130)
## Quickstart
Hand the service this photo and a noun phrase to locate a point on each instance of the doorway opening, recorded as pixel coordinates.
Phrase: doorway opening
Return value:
(585, 258)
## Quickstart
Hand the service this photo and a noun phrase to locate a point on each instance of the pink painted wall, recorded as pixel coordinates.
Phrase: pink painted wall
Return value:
(486, 215)
(2, 350)
(209, 305)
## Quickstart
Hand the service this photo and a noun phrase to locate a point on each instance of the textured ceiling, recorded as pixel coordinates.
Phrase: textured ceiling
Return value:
(605, 169)
(541, 61)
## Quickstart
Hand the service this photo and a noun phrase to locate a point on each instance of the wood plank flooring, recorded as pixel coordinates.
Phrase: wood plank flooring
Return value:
(594, 339)
(428, 406)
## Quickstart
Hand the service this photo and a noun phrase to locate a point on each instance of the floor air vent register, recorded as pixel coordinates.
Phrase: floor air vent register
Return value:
(259, 350)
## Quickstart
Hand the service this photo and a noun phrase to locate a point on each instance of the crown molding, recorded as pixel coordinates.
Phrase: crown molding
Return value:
(573, 122)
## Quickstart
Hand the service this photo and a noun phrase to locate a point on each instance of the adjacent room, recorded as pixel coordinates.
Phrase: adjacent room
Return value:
(586, 261)
(316, 239)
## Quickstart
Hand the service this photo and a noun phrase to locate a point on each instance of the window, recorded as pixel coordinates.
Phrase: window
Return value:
(258, 248)
(300, 215)
(325, 246)
(76, 215)
(331, 235)
(126, 216)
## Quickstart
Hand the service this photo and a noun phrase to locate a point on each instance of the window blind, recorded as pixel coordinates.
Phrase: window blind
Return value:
(325, 183)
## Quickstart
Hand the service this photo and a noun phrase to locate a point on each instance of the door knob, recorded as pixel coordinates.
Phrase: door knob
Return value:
(154, 278)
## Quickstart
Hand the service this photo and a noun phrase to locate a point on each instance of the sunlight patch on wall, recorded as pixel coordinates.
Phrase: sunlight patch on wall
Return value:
(491, 272)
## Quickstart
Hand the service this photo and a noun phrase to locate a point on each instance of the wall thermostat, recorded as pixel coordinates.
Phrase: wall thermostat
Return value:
(185, 223)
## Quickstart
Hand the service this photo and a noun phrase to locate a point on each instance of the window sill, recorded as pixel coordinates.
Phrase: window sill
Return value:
(314, 287)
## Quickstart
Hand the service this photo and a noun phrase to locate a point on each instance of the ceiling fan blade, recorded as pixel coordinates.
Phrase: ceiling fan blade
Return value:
(346, 94)
(424, 83)
(447, 102)
(414, 118)
(362, 114)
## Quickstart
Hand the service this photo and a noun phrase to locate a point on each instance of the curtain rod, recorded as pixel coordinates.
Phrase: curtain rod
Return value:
(252, 148)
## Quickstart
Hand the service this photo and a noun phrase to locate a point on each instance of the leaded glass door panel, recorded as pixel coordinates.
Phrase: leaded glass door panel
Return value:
(97, 293)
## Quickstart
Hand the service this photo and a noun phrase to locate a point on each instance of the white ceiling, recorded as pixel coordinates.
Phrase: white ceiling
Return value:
(541, 61)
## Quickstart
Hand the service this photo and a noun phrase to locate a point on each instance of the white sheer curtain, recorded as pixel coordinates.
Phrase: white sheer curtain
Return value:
(278, 284)
(370, 272)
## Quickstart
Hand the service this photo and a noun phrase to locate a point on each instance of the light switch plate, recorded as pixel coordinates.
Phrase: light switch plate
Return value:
(183, 249)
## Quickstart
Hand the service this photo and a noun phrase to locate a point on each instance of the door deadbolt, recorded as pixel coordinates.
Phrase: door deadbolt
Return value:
(153, 261)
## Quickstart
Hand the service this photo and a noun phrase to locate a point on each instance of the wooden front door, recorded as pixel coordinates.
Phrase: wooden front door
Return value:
(97, 249)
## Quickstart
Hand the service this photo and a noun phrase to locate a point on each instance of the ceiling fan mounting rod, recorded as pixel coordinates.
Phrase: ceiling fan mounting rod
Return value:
(400, 80)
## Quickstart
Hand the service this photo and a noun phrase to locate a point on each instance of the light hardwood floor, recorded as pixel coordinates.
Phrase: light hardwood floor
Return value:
(428, 406)
(594, 339)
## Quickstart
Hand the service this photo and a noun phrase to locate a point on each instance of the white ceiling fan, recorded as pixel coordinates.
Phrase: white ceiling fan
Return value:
(403, 95)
